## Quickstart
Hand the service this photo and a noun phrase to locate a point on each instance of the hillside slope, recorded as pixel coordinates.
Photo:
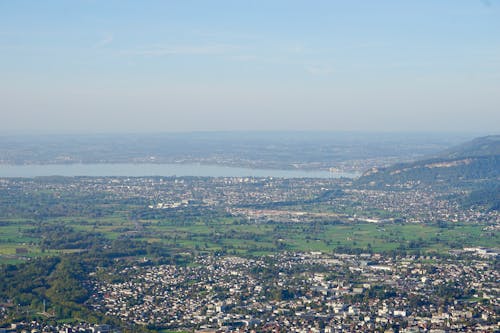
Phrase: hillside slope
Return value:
(472, 164)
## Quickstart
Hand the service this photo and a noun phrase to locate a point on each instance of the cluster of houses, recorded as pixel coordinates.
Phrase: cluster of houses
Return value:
(415, 204)
(40, 326)
(306, 292)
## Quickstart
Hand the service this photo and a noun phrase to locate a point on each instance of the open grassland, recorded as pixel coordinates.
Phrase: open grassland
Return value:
(232, 235)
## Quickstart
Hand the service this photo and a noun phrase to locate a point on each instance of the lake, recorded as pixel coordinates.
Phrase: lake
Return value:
(140, 170)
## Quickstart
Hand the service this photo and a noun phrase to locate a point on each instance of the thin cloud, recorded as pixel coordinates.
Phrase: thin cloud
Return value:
(245, 58)
(225, 35)
(106, 40)
(319, 70)
(162, 51)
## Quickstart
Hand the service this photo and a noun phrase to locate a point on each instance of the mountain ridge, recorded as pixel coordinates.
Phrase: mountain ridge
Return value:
(481, 146)
(471, 163)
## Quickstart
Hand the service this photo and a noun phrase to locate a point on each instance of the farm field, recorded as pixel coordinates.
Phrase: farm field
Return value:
(232, 236)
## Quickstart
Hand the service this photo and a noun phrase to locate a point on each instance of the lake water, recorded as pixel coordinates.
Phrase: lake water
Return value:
(139, 170)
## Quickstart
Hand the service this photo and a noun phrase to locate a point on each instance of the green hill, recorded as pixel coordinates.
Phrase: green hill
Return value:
(483, 146)
(471, 165)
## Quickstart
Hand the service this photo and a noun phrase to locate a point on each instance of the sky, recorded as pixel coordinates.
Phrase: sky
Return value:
(92, 66)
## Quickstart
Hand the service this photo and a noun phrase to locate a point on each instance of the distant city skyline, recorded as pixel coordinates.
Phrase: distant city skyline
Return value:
(89, 66)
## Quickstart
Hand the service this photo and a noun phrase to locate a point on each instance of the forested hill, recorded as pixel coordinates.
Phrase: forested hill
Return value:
(474, 164)
(483, 146)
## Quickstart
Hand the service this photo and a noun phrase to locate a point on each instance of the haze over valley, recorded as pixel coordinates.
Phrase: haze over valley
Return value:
(222, 166)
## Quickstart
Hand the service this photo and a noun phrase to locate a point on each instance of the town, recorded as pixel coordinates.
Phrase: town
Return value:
(300, 292)
(307, 292)
(250, 254)
(246, 195)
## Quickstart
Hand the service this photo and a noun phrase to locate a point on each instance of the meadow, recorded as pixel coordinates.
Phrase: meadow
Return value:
(232, 235)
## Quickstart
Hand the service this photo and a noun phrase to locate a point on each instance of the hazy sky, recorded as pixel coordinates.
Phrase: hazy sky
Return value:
(136, 66)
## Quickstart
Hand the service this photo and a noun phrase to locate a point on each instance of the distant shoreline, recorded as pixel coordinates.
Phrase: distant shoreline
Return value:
(159, 169)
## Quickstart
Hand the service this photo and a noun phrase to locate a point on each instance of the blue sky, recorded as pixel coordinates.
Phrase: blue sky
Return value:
(137, 66)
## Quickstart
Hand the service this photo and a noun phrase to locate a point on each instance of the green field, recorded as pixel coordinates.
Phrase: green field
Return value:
(232, 236)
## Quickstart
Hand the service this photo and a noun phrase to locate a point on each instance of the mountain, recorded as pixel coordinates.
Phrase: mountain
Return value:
(471, 165)
(483, 146)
